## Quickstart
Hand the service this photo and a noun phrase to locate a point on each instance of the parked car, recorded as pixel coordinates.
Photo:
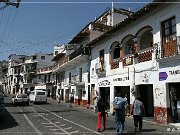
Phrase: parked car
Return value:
(38, 96)
(20, 99)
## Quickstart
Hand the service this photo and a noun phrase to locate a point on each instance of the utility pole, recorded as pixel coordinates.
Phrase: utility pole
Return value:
(8, 3)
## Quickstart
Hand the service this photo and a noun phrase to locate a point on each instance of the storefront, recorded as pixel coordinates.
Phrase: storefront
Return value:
(169, 85)
(104, 91)
(121, 85)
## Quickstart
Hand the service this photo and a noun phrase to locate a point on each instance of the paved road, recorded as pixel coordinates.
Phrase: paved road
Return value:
(54, 119)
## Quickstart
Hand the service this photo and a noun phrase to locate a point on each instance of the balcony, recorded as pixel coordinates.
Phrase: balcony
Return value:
(79, 51)
(60, 63)
(114, 64)
(67, 64)
(45, 70)
(145, 55)
(168, 51)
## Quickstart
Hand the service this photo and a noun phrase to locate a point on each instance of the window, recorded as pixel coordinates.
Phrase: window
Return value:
(56, 52)
(80, 74)
(169, 29)
(70, 77)
(101, 57)
(45, 78)
(49, 78)
(42, 57)
(34, 57)
(22, 96)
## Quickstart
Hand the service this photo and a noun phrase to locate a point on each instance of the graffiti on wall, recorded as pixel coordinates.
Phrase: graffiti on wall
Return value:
(160, 115)
(160, 95)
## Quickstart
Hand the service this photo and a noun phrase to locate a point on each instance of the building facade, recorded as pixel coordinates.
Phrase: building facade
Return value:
(139, 57)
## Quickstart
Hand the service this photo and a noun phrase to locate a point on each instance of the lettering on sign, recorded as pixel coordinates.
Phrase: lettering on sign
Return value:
(121, 79)
(104, 83)
(174, 72)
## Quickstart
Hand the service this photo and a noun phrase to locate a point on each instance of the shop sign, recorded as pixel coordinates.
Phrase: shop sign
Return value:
(104, 83)
(162, 76)
(121, 79)
(174, 72)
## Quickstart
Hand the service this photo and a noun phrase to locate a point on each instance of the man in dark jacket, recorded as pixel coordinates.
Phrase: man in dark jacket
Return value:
(138, 113)
(101, 114)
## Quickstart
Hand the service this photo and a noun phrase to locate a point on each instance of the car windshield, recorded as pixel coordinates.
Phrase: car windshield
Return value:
(22, 96)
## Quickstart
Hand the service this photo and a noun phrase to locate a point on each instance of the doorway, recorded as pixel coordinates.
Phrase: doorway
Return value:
(89, 95)
(174, 98)
(105, 94)
(146, 94)
(80, 96)
(125, 91)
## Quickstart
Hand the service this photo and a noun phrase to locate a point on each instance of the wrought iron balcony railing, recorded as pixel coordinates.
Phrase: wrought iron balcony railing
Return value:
(79, 51)
(168, 50)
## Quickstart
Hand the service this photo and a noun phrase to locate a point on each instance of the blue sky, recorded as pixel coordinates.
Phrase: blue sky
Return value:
(37, 25)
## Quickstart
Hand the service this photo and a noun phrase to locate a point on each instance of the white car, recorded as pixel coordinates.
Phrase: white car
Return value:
(38, 96)
(20, 99)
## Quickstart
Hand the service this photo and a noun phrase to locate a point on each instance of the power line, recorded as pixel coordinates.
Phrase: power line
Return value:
(7, 23)
(12, 24)
(2, 17)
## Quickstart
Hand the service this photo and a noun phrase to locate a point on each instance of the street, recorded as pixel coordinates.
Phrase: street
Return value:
(51, 118)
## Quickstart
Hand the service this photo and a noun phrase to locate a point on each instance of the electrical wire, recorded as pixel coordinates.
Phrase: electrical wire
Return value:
(12, 24)
(2, 15)
(7, 23)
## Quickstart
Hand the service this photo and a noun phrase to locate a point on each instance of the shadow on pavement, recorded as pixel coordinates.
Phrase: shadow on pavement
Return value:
(142, 131)
(70, 110)
(11, 105)
(111, 128)
(148, 130)
(8, 121)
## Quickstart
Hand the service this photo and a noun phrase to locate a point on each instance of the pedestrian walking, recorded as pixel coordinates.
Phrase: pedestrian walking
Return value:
(96, 98)
(59, 98)
(101, 115)
(138, 112)
(119, 113)
(71, 99)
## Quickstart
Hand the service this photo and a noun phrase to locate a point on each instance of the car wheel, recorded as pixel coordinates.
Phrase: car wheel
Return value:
(27, 103)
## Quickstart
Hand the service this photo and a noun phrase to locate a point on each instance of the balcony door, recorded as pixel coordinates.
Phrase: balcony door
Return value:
(169, 43)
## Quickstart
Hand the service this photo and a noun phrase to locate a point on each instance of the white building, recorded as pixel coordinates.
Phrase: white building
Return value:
(140, 57)
(22, 71)
(76, 70)
(13, 73)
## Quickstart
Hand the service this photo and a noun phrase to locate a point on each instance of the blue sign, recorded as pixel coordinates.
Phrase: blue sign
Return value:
(162, 76)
